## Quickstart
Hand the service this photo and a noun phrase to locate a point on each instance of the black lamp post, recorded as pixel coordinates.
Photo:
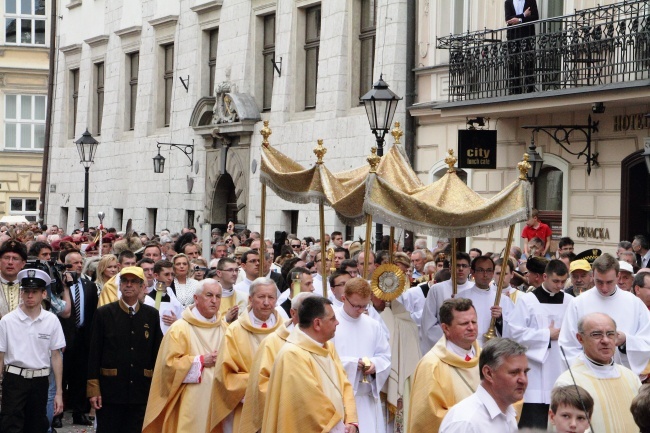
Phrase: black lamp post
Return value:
(535, 160)
(380, 103)
(158, 163)
(87, 146)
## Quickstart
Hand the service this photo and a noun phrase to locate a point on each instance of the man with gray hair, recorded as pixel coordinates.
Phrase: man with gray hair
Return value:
(240, 344)
(629, 312)
(418, 258)
(188, 351)
(251, 418)
(502, 367)
(611, 385)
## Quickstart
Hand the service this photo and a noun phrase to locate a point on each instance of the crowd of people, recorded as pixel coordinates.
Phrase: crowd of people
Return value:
(165, 334)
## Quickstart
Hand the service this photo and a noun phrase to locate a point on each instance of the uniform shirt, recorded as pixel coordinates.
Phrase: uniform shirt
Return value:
(27, 343)
(479, 413)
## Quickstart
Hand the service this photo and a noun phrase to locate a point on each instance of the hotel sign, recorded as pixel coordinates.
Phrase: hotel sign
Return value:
(631, 122)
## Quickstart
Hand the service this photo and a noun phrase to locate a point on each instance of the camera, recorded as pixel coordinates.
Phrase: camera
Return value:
(54, 270)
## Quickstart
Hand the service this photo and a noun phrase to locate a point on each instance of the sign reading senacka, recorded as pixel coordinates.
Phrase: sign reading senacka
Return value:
(477, 148)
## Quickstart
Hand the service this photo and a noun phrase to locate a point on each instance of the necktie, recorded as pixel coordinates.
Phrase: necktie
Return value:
(77, 305)
(264, 325)
(468, 358)
(131, 311)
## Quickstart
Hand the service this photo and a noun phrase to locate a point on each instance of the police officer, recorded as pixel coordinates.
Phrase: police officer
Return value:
(29, 336)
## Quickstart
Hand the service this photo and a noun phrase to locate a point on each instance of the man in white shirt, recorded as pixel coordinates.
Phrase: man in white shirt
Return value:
(430, 330)
(250, 264)
(503, 366)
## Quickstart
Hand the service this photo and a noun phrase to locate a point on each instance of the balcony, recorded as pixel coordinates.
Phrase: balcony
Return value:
(606, 47)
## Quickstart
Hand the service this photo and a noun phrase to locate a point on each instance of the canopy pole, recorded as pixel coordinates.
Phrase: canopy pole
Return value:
(323, 247)
(491, 333)
(454, 271)
(391, 247)
(366, 249)
(262, 226)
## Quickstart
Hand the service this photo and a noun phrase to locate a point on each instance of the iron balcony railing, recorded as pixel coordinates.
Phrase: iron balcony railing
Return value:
(604, 45)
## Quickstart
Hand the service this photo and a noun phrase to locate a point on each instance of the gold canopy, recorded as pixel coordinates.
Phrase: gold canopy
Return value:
(394, 195)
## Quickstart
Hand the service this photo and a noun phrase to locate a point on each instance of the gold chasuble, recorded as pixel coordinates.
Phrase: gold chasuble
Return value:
(109, 292)
(258, 380)
(308, 390)
(234, 364)
(441, 380)
(227, 302)
(175, 406)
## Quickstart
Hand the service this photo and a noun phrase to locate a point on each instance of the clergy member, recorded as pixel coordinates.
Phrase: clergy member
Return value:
(535, 323)
(612, 386)
(449, 372)
(233, 302)
(430, 330)
(502, 366)
(337, 281)
(309, 390)
(236, 353)
(163, 298)
(629, 312)
(179, 400)
(364, 352)
(258, 379)
(482, 296)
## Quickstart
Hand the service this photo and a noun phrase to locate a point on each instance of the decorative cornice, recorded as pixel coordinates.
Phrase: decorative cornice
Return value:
(209, 6)
(97, 40)
(129, 31)
(73, 4)
(70, 50)
(169, 20)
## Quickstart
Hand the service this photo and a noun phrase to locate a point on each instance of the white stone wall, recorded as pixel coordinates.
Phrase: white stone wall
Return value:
(122, 176)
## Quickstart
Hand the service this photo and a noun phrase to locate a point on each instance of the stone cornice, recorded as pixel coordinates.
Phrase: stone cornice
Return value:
(97, 40)
(169, 20)
(209, 6)
(70, 50)
(129, 31)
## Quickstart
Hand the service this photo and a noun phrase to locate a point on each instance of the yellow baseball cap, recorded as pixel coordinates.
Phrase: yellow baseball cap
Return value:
(133, 270)
(582, 265)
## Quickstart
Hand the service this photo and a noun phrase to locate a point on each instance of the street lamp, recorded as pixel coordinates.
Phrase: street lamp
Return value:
(535, 160)
(158, 163)
(87, 146)
(380, 103)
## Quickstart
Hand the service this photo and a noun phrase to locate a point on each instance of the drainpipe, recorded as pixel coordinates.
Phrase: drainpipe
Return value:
(48, 112)
(409, 97)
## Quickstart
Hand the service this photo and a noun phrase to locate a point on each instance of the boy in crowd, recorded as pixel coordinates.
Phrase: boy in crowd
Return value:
(568, 406)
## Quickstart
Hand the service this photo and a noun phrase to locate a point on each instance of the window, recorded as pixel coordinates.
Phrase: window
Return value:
(312, 42)
(460, 16)
(99, 92)
(24, 122)
(189, 218)
(118, 218)
(367, 34)
(152, 216)
(74, 96)
(212, 59)
(24, 206)
(25, 22)
(268, 55)
(168, 78)
(133, 65)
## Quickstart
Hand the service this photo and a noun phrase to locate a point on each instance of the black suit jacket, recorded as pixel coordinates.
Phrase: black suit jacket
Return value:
(81, 336)
(279, 281)
(523, 31)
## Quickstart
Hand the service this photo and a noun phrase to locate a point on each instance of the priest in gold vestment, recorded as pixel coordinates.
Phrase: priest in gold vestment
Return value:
(448, 373)
(179, 399)
(309, 390)
(258, 380)
(236, 354)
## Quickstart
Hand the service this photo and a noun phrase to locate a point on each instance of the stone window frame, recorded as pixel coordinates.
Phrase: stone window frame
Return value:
(358, 87)
(132, 83)
(169, 64)
(208, 21)
(72, 55)
(130, 39)
(165, 34)
(32, 17)
(98, 45)
(268, 55)
(311, 45)
(99, 76)
(19, 121)
(258, 36)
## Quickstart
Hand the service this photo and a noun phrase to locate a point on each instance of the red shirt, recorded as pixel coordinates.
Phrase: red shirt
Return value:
(542, 232)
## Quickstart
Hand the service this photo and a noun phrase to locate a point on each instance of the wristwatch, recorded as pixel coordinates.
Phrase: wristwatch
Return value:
(521, 20)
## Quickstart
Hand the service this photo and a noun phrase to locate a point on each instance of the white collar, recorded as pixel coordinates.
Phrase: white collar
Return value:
(491, 405)
(270, 322)
(460, 351)
(608, 371)
(199, 316)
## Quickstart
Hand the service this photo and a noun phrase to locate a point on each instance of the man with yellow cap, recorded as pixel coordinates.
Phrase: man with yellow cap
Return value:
(581, 277)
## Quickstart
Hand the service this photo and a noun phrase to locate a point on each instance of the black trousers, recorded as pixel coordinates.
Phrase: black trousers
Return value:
(534, 415)
(75, 375)
(120, 418)
(24, 404)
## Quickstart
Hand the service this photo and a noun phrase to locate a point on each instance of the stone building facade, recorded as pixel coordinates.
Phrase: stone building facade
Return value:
(588, 67)
(208, 73)
(24, 46)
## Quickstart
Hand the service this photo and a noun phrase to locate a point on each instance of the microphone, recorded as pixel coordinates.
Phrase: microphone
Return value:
(582, 403)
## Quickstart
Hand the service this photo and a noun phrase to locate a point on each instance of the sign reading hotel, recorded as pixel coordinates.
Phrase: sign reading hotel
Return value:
(631, 122)
(477, 149)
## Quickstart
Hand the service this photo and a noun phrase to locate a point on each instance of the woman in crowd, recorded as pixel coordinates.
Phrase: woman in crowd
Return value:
(184, 286)
(106, 269)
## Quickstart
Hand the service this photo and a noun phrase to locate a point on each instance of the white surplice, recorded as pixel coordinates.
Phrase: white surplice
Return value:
(631, 317)
(529, 326)
(413, 300)
(354, 340)
(483, 300)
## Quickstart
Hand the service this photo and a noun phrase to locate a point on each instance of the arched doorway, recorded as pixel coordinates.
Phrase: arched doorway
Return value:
(224, 203)
(635, 196)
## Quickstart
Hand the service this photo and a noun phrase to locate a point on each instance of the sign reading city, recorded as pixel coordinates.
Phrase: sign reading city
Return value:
(477, 148)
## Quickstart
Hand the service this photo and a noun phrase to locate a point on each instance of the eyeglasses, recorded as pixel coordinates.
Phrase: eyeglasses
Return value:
(358, 307)
(483, 271)
(599, 335)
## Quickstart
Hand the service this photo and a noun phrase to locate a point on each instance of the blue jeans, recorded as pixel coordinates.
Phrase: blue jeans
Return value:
(51, 393)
